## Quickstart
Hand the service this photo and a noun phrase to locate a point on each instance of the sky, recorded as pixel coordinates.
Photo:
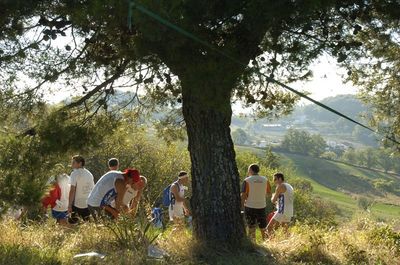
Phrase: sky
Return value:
(327, 81)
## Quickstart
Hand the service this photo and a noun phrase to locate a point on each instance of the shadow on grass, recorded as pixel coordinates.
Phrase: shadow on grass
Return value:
(22, 255)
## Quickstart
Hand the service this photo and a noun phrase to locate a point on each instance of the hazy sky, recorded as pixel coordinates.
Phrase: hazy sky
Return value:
(327, 80)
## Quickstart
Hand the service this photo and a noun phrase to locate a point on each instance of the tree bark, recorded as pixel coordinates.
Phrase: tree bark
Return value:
(215, 200)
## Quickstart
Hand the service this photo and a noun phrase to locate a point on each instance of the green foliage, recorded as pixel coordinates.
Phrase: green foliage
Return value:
(350, 156)
(372, 158)
(302, 142)
(364, 203)
(245, 159)
(159, 162)
(22, 255)
(28, 161)
(354, 255)
(378, 76)
(313, 252)
(240, 137)
(384, 185)
(329, 155)
(133, 233)
(271, 159)
(385, 236)
(311, 209)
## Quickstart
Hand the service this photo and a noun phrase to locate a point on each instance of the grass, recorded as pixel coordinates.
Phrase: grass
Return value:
(340, 183)
(360, 241)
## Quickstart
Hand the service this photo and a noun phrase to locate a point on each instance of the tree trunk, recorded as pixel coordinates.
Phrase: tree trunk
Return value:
(215, 179)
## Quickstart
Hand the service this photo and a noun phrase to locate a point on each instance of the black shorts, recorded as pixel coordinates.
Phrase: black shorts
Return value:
(256, 216)
(79, 213)
(100, 213)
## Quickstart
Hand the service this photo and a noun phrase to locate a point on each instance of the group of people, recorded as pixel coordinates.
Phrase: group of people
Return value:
(255, 190)
(77, 197)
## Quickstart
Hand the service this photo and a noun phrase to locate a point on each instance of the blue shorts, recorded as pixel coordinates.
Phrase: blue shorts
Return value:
(59, 215)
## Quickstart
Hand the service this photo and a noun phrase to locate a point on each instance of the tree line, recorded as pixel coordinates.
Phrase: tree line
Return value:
(305, 143)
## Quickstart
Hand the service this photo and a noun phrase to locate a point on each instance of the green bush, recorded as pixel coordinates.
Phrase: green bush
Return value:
(364, 203)
(354, 255)
(21, 255)
(385, 236)
(313, 252)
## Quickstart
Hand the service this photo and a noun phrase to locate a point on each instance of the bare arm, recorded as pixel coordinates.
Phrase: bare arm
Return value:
(175, 191)
(244, 194)
(279, 190)
(71, 197)
(135, 202)
(120, 187)
(269, 193)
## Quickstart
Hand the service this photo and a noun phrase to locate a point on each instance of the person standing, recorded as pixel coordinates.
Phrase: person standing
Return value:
(57, 198)
(283, 198)
(113, 164)
(255, 189)
(82, 183)
(178, 209)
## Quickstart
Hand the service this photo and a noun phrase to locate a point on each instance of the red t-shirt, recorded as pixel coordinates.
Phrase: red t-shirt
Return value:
(52, 197)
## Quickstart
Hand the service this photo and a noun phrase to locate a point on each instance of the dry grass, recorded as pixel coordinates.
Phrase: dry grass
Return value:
(361, 241)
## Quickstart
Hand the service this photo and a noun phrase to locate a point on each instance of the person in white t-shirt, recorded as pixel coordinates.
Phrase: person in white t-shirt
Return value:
(82, 183)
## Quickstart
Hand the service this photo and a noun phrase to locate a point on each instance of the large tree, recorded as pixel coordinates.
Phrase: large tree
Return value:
(270, 39)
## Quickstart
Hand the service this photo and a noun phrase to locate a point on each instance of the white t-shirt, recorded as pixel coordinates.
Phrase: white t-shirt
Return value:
(104, 192)
(62, 204)
(82, 179)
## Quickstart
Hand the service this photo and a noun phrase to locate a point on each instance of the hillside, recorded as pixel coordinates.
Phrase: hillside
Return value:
(314, 119)
(341, 183)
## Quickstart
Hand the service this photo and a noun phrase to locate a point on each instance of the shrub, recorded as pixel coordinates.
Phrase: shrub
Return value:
(313, 251)
(364, 203)
(329, 155)
(355, 255)
(385, 236)
(21, 255)
(314, 209)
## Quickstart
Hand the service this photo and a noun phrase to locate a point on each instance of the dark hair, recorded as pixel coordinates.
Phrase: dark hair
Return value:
(113, 162)
(255, 168)
(182, 173)
(79, 159)
(279, 176)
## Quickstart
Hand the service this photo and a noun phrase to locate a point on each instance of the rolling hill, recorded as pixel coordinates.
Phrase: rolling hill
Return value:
(341, 183)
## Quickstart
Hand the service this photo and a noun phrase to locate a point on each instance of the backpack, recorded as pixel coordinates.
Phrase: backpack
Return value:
(167, 195)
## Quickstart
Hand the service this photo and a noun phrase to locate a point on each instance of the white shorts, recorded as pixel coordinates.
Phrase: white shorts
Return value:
(176, 211)
(281, 218)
